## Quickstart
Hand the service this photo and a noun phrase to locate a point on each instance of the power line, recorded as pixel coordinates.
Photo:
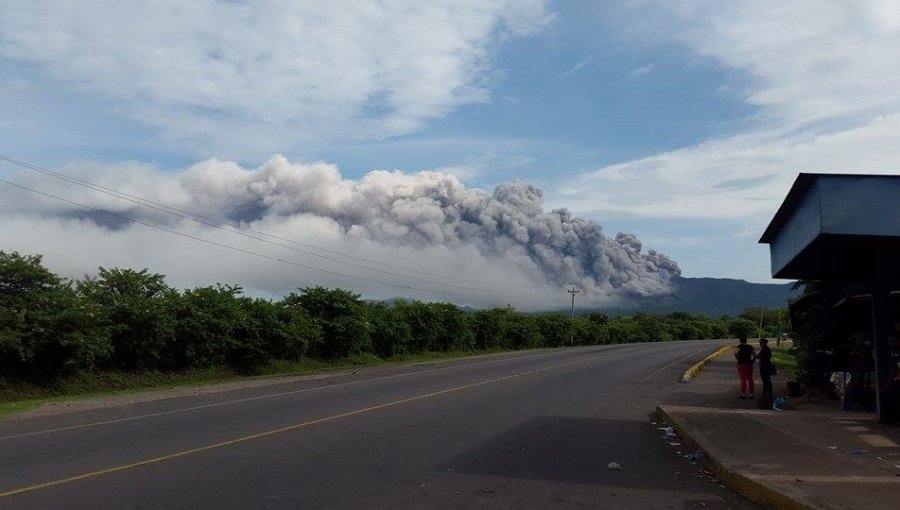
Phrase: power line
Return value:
(220, 224)
(235, 248)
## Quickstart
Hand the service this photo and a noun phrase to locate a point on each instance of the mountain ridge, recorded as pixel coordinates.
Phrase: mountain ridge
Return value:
(710, 296)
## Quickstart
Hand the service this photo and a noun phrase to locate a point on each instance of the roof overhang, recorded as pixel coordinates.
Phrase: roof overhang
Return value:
(837, 227)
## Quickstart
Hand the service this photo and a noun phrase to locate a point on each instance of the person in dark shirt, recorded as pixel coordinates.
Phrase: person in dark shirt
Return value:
(745, 356)
(766, 368)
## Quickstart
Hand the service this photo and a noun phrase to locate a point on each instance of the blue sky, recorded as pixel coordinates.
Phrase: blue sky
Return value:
(684, 123)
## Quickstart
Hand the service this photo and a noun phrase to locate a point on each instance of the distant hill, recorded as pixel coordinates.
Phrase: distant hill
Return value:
(712, 297)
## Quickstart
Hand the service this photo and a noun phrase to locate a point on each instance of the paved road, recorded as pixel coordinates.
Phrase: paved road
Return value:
(524, 430)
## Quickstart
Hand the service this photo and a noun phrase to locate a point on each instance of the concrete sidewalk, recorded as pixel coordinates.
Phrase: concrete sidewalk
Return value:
(811, 456)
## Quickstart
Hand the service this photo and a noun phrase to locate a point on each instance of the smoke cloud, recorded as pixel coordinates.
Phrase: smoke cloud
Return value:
(449, 241)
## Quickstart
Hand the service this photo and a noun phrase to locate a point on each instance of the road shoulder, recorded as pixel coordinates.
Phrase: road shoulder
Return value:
(815, 456)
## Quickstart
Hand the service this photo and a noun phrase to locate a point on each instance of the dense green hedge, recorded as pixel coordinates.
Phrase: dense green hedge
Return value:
(131, 320)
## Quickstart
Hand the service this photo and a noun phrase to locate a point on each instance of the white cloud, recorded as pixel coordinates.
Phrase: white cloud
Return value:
(581, 63)
(825, 80)
(733, 177)
(487, 163)
(257, 76)
(641, 71)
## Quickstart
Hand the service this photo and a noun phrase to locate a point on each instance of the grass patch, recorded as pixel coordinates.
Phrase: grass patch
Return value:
(20, 396)
(785, 361)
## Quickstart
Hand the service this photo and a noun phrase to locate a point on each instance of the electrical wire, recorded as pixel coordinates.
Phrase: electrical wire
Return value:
(238, 249)
(220, 224)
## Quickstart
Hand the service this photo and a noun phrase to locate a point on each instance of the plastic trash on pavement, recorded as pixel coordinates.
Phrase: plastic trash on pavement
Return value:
(778, 403)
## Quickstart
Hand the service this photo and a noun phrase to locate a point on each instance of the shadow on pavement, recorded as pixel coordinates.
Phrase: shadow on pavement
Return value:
(578, 450)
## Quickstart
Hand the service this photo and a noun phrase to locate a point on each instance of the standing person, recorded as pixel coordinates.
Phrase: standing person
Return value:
(745, 356)
(766, 367)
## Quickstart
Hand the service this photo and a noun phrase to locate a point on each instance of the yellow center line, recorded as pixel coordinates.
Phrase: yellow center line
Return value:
(324, 387)
(243, 439)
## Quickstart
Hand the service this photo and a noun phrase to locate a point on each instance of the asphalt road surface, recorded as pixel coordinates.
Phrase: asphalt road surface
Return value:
(533, 429)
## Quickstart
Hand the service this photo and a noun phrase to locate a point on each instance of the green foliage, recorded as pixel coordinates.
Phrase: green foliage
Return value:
(138, 310)
(125, 321)
(45, 331)
(490, 328)
(436, 326)
(598, 318)
(808, 328)
(340, 313)
(591, 331)
(288, 331)
(786, 361)
(557, 330)
(774, 320)
(742, 328)
(390, 334)
(207, 319)
(661, 328)
(522, 332)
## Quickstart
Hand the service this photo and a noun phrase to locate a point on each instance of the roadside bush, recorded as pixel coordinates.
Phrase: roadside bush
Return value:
(489, 328)
(454, 330)
(390, 335)
(590, 331)
(130, 320)
(557, 330)
(522, 332)
(340, 314)
(137, 309)
(288, 331)
(45, 331)
(206, 320)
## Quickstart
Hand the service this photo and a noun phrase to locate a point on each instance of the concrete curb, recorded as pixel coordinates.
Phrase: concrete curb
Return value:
(694, 371)
(733, 478)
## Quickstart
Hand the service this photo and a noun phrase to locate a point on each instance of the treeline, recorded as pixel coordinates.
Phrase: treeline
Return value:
(128, 320)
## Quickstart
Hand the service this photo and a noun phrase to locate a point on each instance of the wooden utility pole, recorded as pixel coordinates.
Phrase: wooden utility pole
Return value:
(573, 291)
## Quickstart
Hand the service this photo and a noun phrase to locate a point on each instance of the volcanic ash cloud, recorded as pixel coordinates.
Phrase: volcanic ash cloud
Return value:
(422, 219)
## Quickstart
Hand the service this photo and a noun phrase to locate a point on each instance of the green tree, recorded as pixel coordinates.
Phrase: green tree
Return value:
(522, 331)
(454, 330)
(390, 334)
(289, 332)
(597, 318)
(45, 330)
(206, 321)
(490, 328)
(138, 310)
(437, 326)
(342, 317)
(741, 328)
(590, 331)
(774, 320)
(557, 330)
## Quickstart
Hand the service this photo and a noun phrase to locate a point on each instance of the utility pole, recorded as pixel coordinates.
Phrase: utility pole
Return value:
(573, 291)
(762, 313)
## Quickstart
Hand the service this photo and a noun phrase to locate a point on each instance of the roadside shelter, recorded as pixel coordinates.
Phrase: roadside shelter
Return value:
(844, 228)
